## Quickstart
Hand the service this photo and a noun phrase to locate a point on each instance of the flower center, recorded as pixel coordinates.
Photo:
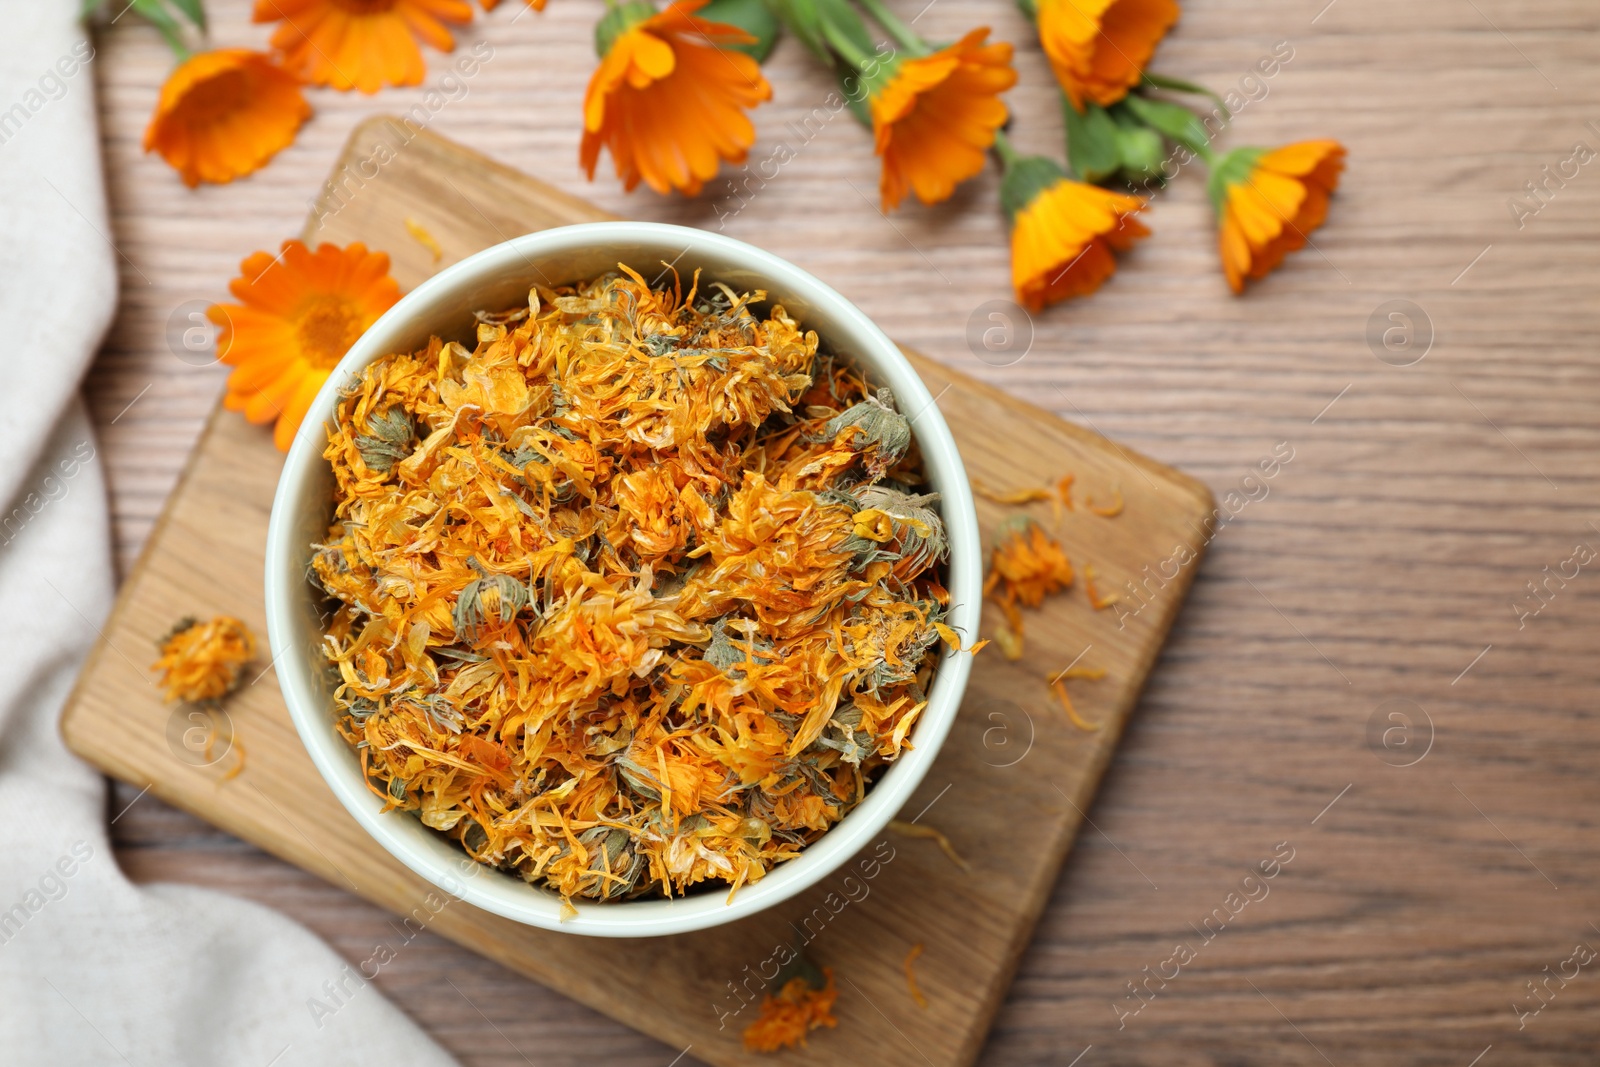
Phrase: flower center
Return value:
(365, 7)
(217, 97)
(327, 327)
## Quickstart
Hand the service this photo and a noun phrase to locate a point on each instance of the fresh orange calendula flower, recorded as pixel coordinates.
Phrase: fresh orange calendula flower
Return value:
(490, 5)
(1269, 201)
(1099, 48)
(1063, 232)
(935, 116)
(223, 114)
(360, 44)
(785, 1019)
(200, 661)
(299, 313)
(669, 97)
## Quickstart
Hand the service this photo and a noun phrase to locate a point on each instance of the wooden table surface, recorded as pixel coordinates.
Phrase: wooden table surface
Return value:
(1442, 859)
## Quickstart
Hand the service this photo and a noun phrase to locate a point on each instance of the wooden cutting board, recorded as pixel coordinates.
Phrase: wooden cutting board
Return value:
(1009, 788)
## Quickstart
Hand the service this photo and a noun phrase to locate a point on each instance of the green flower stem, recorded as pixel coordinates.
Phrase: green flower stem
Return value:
(1179, 85)
(903, 35)
(848, 50)
(1005, 150)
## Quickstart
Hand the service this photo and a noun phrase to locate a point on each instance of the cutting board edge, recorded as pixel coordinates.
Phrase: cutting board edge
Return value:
(363, 131)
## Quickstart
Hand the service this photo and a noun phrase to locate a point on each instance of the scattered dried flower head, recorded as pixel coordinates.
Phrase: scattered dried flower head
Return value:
(801, 1005)
(201, 661)
(1026, 566)
(636, 593)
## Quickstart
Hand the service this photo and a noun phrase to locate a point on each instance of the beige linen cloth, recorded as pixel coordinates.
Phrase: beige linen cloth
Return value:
(95, 970)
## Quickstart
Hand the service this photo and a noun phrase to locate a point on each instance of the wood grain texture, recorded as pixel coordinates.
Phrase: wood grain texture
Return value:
(1396, 542)
(1013, 770)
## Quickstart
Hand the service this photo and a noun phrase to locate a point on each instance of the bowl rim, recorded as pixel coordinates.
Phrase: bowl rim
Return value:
(503, 894)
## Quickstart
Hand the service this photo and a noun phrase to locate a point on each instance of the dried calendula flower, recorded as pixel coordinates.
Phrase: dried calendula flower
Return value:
(635, 593)
(876, 427)
(803, 1003)
(1027, 565)
(201, 661)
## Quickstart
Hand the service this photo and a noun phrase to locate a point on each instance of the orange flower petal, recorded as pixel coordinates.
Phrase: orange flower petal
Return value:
(360, 46)
(295, 411)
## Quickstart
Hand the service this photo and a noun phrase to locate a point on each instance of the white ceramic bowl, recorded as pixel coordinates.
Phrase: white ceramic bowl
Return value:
(498, 278)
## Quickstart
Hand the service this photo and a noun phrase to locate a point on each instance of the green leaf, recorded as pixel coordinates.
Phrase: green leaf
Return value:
(194, 10)
(1024, 180)
(1092, 149)
(90, 7)
(1178, 85)
(158, 16)
(1141, 151)
(1173, 120)
(752, 16)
